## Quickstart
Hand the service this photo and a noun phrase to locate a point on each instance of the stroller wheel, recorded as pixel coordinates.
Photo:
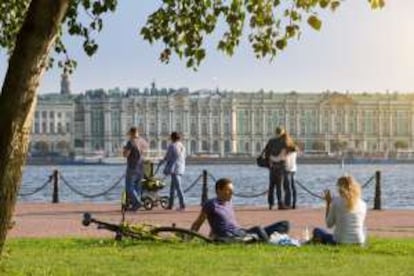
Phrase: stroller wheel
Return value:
(164, 202)
(148, 203)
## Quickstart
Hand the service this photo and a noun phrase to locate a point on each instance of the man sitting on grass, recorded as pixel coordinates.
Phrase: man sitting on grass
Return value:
(224, 227)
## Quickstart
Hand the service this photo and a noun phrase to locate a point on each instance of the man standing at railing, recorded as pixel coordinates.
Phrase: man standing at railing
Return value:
(134, 152)
(272, 153)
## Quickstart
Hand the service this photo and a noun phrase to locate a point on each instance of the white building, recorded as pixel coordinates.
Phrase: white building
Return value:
(224, 123)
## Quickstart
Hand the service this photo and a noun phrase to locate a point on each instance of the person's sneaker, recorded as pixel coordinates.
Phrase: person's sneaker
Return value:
(180, 209)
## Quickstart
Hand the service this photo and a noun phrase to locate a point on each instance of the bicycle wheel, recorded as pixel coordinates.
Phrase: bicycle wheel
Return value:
(176, 233)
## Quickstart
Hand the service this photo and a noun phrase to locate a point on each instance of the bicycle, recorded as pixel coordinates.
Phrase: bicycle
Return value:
(145, 231)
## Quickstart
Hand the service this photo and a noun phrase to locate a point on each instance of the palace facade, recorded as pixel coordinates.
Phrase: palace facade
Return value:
(222, 123)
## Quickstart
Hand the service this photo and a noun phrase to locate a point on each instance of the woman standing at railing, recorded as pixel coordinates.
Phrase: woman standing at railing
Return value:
(289, 187)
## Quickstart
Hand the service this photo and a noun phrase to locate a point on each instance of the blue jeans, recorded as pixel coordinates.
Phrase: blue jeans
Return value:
(322, 236)
(263, 233)
(290, 189)
(275, 181)
(176, 186)
(133, 188)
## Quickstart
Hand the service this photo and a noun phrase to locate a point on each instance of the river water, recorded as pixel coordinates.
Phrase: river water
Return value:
(397, 183)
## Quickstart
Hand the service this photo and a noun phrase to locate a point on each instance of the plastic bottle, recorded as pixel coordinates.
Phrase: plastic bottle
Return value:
(305, 235)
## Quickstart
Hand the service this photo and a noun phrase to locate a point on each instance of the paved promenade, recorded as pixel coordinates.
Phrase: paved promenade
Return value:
(64, 219)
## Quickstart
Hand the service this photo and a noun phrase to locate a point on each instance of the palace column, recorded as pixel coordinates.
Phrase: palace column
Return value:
(209, 128)
(145, 120)
(158, 127)
(198, 135)
(264, 127)
(233, 127)
(87, 147)
(221, 131)
(107, 129)
(380, 146)
(252, 133)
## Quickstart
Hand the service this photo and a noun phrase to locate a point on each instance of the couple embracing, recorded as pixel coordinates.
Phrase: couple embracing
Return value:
(280, 155)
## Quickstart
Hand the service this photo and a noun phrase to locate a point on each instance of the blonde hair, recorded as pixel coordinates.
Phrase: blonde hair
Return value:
(289, 142)
(350, 190)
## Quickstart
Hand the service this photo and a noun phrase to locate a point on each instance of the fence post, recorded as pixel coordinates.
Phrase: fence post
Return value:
(204, 191)
(55, 196)
(377, 198)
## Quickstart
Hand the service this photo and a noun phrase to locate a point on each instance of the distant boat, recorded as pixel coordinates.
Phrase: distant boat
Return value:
(90, 159)
(151, 155)
(115, 160)
(370, 160)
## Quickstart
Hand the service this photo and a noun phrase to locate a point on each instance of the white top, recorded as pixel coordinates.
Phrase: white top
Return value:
(288, 157)
(290, 161)
(349, 225)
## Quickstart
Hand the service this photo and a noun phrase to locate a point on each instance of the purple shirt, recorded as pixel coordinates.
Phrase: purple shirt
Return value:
(220, 216)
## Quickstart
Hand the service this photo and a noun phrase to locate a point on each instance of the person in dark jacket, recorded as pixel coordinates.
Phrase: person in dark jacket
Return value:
(272, 153)
(134, 153)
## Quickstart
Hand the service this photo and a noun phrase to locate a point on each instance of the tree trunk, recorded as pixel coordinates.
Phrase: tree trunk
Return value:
(18, 97)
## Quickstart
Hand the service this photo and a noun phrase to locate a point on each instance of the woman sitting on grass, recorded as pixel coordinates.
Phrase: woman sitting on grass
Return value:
(346, 212)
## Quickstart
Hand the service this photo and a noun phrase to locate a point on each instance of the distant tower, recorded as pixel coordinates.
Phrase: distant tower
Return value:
(65, 85)
(153, 88)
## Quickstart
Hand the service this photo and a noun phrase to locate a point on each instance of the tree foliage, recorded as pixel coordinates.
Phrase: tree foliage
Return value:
(182, 25)
(338, 145)
(83, 19)
(318, 145)
(401, 144)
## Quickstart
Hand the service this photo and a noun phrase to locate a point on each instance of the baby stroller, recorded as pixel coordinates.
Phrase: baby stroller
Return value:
(150, 185)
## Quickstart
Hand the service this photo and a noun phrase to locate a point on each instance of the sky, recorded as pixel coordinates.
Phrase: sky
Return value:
(357, 50)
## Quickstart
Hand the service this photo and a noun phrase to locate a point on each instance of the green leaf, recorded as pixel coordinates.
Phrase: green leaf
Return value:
(324, 3)
(281, 44)
(314, 22)
(375, 4)
(190, 62)
(335, 5)
(290, 31)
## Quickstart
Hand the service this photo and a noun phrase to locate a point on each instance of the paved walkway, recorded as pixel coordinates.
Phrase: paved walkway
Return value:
(64, 219)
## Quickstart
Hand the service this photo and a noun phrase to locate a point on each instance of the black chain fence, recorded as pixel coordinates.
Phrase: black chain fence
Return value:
(77, 191)
(43, 186)
(190, 187)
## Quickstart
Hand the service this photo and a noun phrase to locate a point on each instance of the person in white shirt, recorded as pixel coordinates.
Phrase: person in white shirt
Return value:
(346, 213)
(289, 155)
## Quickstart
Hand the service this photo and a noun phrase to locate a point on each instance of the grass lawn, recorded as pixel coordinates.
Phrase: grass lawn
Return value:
(107, 257)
